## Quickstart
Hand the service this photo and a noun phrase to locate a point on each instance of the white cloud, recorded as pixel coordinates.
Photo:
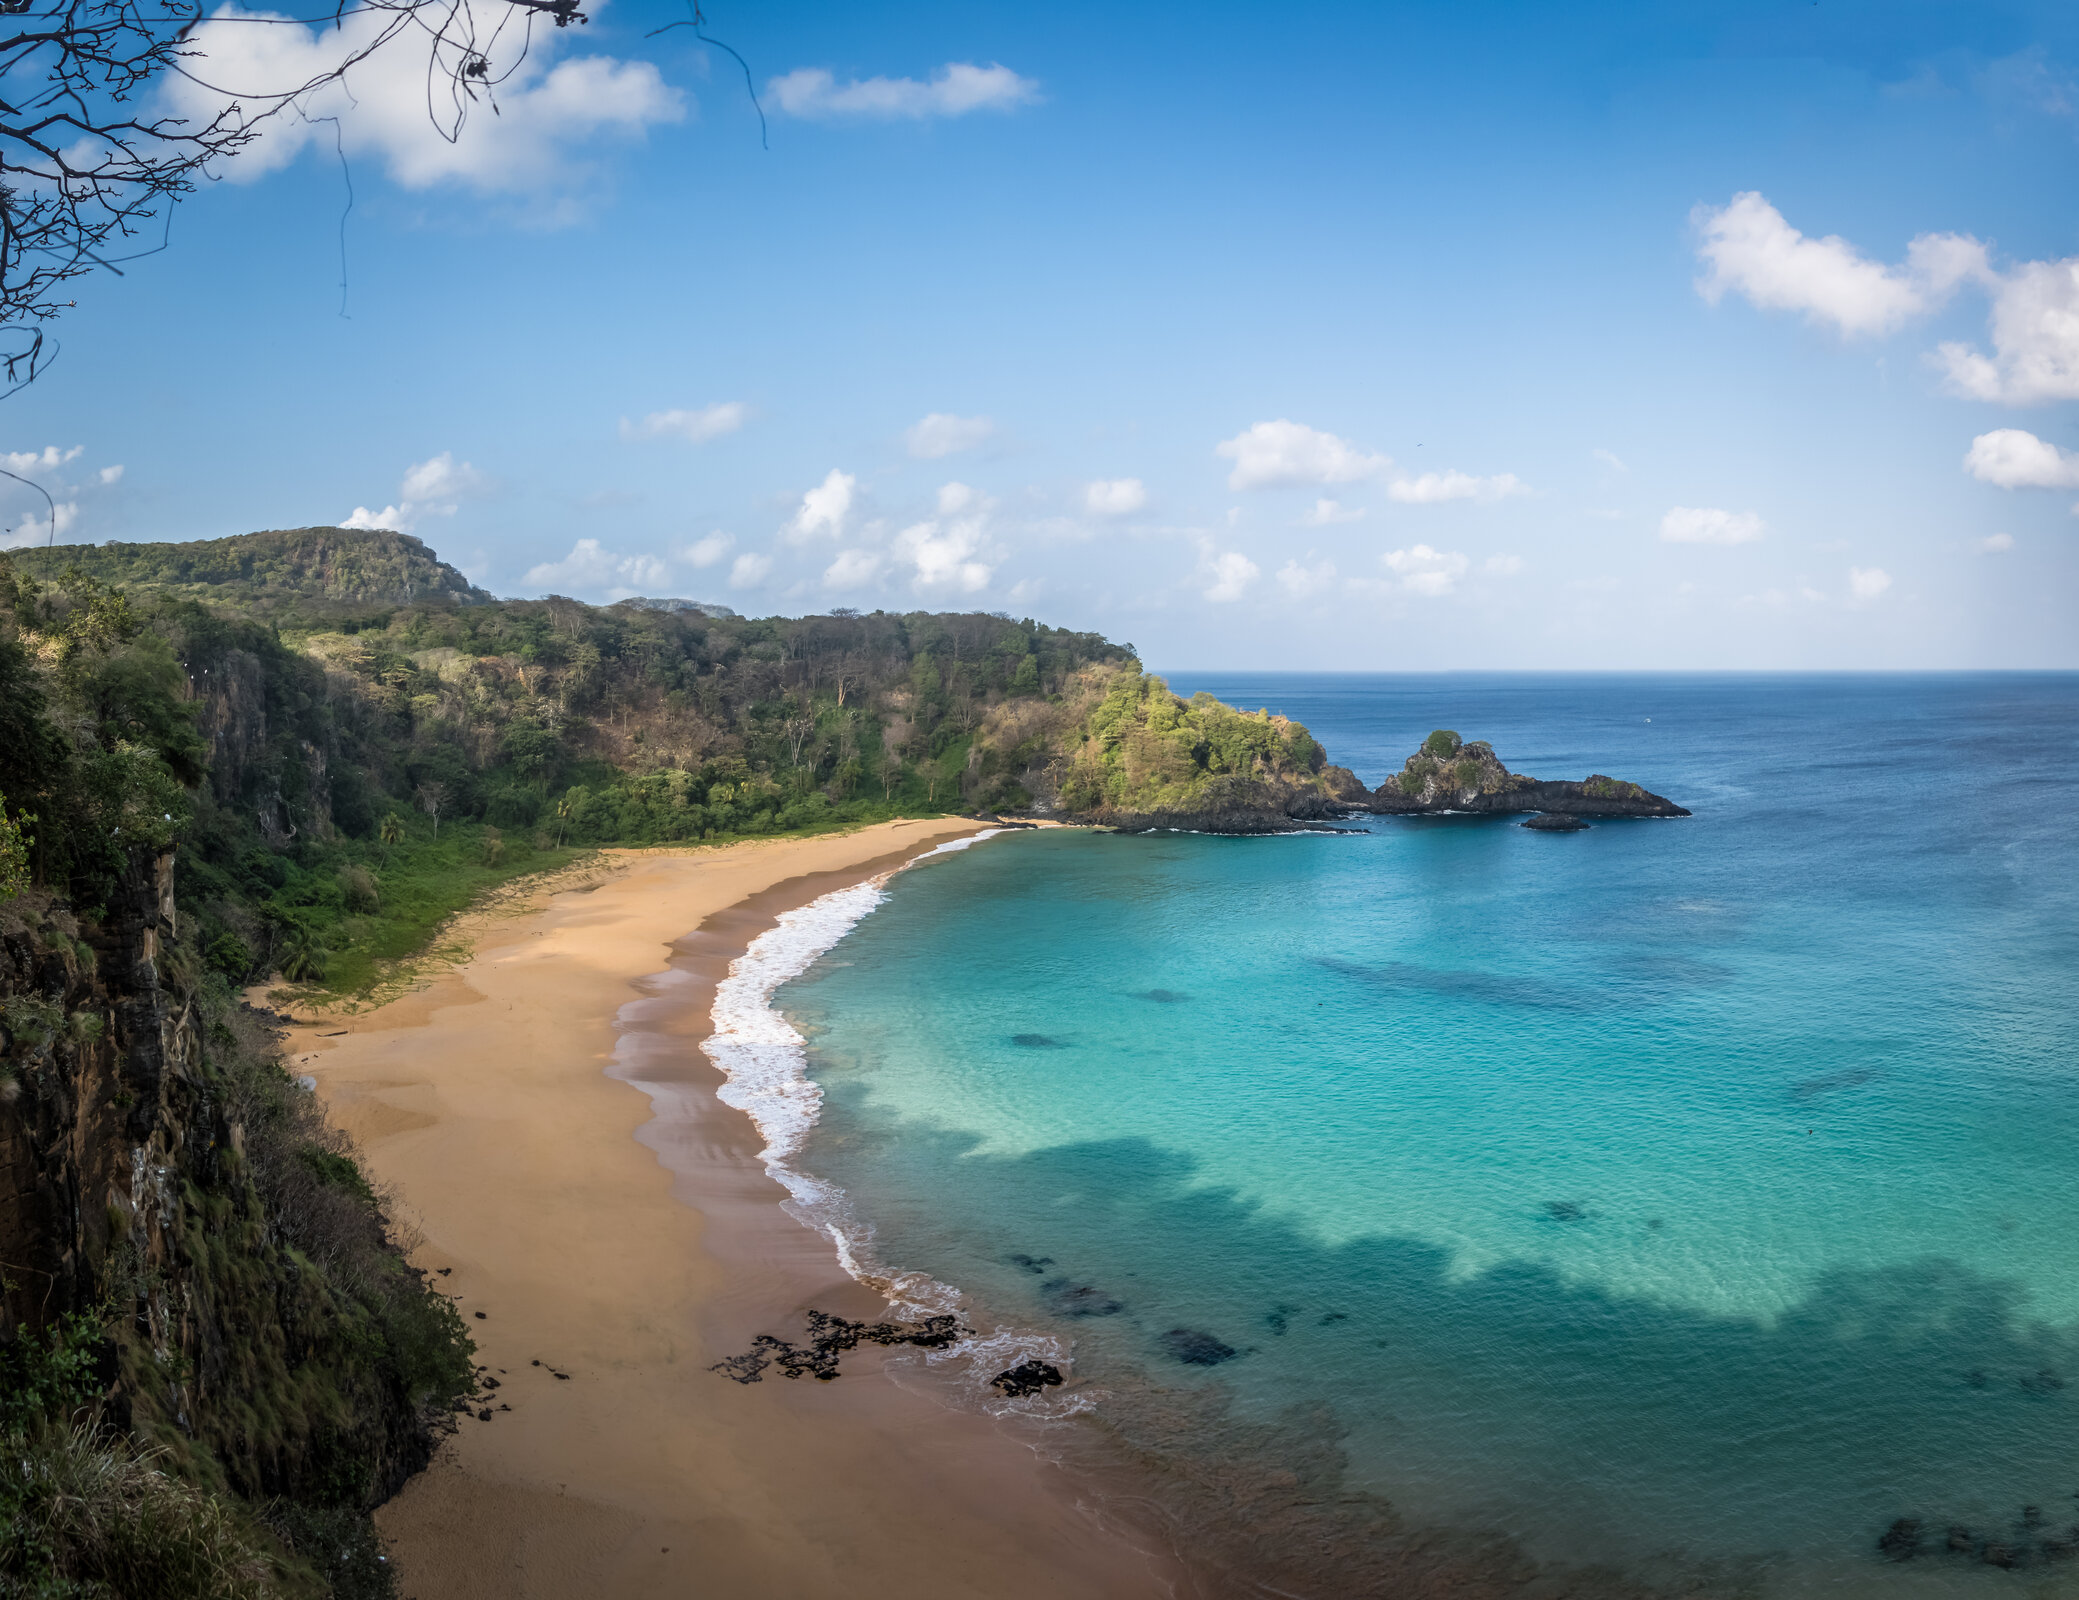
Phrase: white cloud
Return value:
(942, 434)
(695, 427)
(950, 552)
(1284, 454)
(2012, 458)
(438, 484)
(544, 107)
(1302, 581)
(823, 509)
(1502, 566)
(954, 90)
(703, 553)
(1751, 250)
(589, 566)
(1432, 488)
(853, 569)
(37, 530)
(1996, 545)
(431, 488)
(48, 459)
(2035, 339)
(1708, 525)
(1232, 573)
(1867, 583)
(749, 570)
(1328, 512)
(110, 475)
(1609, 459)
(1424, 571)
(1114, 497)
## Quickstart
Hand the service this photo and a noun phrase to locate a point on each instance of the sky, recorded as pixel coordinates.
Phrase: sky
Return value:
(1393, 337)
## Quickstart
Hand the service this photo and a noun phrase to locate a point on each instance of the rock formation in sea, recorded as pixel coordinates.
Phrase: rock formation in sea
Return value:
(1450, 775)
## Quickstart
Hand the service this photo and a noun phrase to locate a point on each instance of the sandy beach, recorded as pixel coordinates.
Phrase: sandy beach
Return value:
(596, 1211)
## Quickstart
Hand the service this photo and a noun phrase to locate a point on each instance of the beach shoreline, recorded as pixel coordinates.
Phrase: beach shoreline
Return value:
(491, 1105)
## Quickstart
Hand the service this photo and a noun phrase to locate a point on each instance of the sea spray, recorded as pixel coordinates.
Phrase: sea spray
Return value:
(764, 1064)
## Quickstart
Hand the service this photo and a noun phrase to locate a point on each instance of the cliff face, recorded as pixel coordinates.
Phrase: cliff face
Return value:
(159, 1173)
(1446, 775)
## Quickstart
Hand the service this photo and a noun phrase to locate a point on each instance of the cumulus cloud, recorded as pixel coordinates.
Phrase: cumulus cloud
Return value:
(2012, 458)
(590, 566)
(950, 552)
(704, 553)
(432, 488)
(1114, 497)
(853, 569)
(823, 510)
(1432, 488)
(48, 459)
(942, 434)
(108, 475)
(957, 88)
(1867, 583)
(1328, 512)
(1286, 454)
(545, 107)
(1424, 571)
(695, 427)
(1231, 573)
(749, 570)
(2035, 339)
(1708, 525)
(1997, 544)
(38, 530)
(1304, 580)
(1751, 250)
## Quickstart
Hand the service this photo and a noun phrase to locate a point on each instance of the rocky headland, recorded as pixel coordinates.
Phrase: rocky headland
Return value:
(1449, 775)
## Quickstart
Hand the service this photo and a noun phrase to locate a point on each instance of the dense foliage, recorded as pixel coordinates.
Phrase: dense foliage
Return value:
(1146, 749)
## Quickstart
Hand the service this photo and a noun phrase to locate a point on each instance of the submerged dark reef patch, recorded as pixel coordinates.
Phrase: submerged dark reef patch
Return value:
(1067, 1299)
(1196, 1348)
(830, 1337)
(1037, 1041)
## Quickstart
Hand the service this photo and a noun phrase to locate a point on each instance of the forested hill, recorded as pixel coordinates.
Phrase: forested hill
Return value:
(337, 783)
(290, 573)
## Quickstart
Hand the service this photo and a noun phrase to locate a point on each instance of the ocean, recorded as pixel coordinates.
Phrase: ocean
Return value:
(1680, 1206)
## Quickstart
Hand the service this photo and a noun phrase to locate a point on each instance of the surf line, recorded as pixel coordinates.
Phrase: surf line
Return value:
(764, 1066)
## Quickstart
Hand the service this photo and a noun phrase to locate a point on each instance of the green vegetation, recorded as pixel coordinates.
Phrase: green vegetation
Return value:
(1443, 744)
(1145, 749)
(298, 572)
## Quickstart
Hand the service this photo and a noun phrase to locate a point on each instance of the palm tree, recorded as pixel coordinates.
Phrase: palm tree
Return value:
(391, 833)
(564, 812)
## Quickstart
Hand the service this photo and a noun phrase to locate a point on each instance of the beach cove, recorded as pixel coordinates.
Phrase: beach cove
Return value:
(495, 1106)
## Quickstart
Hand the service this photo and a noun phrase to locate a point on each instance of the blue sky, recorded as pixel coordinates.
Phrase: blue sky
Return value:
(1346, 336)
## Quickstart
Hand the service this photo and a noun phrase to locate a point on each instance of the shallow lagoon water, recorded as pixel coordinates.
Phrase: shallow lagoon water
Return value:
(1687, 1198)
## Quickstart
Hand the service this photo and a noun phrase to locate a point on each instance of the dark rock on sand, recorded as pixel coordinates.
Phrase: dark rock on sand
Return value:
(1027, 1377)
(1555, 822)
(1066, 1299)
(829, 1338)
(1195, 1348)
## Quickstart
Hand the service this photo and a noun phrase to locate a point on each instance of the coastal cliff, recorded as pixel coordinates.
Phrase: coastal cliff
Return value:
(1449, 775)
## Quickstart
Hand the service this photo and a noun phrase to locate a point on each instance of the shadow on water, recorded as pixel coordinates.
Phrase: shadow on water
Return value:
(1681, 1451)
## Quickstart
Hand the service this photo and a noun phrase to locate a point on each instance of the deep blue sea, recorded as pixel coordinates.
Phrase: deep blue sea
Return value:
(1684, 1203)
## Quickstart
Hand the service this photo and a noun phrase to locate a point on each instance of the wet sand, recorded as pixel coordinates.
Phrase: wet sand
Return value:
(507, 1114)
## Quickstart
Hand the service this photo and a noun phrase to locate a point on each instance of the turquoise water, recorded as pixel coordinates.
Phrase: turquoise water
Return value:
(1688, 1199)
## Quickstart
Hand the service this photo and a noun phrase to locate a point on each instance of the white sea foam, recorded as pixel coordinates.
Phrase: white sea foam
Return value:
(765, 1064)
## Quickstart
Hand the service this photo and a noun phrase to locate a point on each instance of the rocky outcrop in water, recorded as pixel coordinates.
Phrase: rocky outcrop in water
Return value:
(1450, 775)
